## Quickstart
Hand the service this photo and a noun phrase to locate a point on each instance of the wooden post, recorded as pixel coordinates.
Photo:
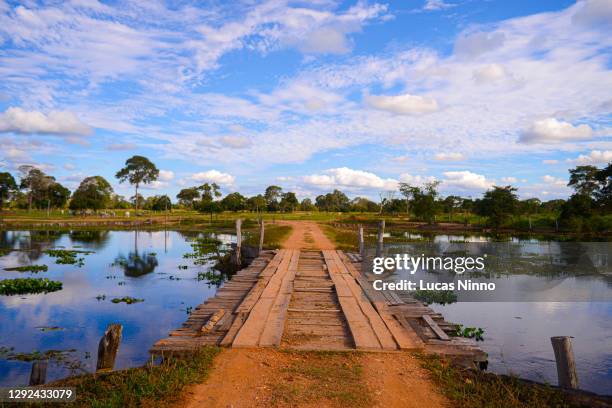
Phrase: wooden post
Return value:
(361, 241)
(566, 365)
(238, 241)
(38, 375)
(530, 223)
(108, 347)
(261, 234)
(381, 235)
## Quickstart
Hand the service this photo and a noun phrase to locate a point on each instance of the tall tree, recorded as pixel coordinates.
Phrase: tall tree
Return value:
(138, 170)
(7, 187)
(234, 202)
(187, 196)
(272, 194)
(499, 204)
(289, 202)
(93, 193)
(424, 202)
(408, 192)
(584, 180)
(210, 192)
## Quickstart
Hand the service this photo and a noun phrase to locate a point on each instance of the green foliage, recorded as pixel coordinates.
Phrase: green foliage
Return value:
(127, 299)
(7, 187)
(42, 190)
(334, 201)
(476, 333)
(188, 196)
(234, 202)
(442, 297)
(93, 193)
(138, 170)
(23, 286)
(424, 203)
(499, 204)
(68, 256)
(29, 268)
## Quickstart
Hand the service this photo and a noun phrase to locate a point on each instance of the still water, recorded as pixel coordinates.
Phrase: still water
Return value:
(575, 279)
(143, 265)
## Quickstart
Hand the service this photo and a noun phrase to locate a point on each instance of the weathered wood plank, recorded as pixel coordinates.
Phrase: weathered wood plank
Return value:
(434, 326)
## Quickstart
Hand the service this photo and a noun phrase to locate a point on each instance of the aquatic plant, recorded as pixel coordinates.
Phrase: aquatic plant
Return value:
(22, 286)
(476, 333)
(29, 268)
(127, 299)
(68, 256)
(442, 297)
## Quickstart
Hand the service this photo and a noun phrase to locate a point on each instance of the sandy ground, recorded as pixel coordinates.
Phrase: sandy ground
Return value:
(251, 377)
(306, 235)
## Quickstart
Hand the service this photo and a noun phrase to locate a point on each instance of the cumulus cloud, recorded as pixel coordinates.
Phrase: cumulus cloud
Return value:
(476, 44)
(63, 123)
(415, 180)
(465, 180)
(345, 177)
(166, 175)
(594, 12)
(551, 130)
(235, 142)
(489, 73)
(449, 156)
(405, 104)
(213, 176)
(595, 157)
(509, 180)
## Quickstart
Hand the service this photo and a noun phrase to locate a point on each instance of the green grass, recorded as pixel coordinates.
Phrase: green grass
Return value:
(152, 385)
(313, 376)
(274, 236)
(470, 388)
(24, 286)
(127, 299)
(345, 239)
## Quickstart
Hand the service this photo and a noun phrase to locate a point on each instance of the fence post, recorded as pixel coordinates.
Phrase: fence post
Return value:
(108, 347)
(566, 365)
(38, 375)
(381, 234)
(361, 241)
(261, 234)
(237, 259)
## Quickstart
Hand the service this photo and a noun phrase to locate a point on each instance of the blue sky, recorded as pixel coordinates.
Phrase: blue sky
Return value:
(310, 96)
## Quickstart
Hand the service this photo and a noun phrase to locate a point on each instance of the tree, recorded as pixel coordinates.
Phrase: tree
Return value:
(498, 204)
(138, 170)
(7, 187)
(57, 195)
(362, 204)
(187, 196)
(93, 193)
(256, 203)
(210, 192)
(161, 203)
(334, 201)
(407, 191)
(234, 202)
(584, 180)
(307, 205)
(451, 203)
(138, 201)
(424, 203)
(289, 202)
(272, 195)
(34, 181)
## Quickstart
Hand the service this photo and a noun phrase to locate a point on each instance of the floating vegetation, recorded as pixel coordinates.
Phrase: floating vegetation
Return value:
(476, 333)
(68, 256)
(49, 328)
(442, 297)
(183, 267)
(29, 268)
(100, 297)
(127, 299)
(5, 251)
(188, 309)
(205, 249)
(23, 286)
(63, 358)
(121, 283)
(153, 253)
(172, 277)
(211, 277)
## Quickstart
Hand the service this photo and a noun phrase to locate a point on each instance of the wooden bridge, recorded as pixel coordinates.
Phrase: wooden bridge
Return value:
(315, 300)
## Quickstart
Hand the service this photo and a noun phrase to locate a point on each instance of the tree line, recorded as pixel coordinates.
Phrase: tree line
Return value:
(591, 199)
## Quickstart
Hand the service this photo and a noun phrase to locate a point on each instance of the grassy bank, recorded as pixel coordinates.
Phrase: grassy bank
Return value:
(471, 388)
(155, 386)
(274, 235)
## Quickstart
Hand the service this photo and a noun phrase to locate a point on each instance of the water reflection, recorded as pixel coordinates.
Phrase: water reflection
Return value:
(135, 265)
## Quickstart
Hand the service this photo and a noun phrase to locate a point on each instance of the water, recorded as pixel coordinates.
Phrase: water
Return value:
(141, 264)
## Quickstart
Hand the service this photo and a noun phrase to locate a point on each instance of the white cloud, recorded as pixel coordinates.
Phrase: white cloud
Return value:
(213, 176)
(465, 180)
(509, 180)
(62, 123)
(594, 12)
(554, 181)
(449, 156)
(551, 130)
(489, 73)
(121, 147)
(415, 180)
(405, 104)
(595, 157)
(235, 142)
(344, 177)
(476, 44)
(166, 175)
(431, 5)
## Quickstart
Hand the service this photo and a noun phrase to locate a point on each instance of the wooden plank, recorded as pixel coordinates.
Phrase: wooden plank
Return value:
(250, 332)
(275, 324)
(436, 329)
